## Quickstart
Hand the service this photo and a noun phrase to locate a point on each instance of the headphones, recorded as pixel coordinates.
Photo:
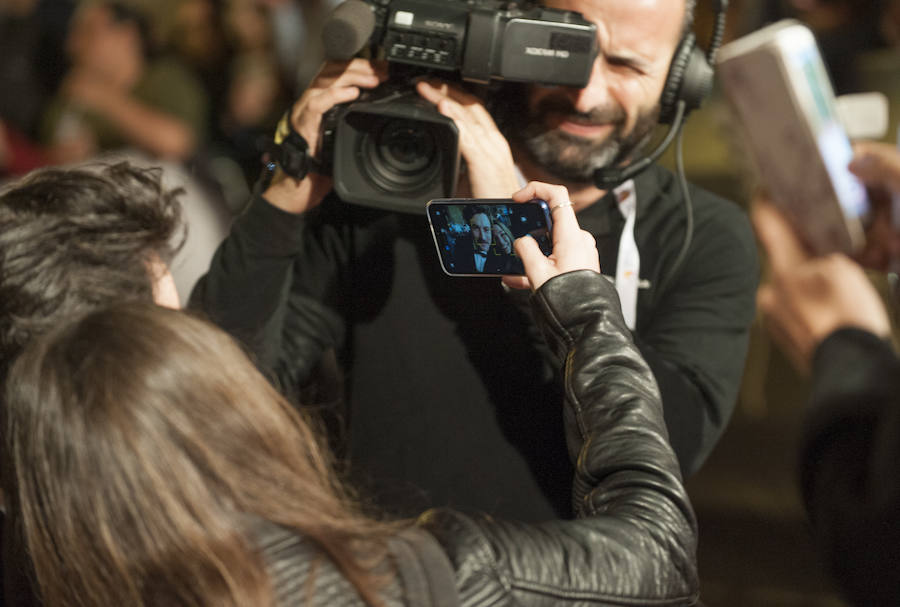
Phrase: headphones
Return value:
(690, 79)
(688, 83)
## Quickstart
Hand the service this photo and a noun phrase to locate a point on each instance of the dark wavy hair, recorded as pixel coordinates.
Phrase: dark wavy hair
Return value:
(145, 447)
(471, 210)
(72, 240)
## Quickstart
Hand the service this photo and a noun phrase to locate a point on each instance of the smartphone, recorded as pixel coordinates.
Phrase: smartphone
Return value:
(474, 236)
(776, 81)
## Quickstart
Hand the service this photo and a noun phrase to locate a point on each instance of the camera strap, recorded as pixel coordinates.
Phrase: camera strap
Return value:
(289, 151)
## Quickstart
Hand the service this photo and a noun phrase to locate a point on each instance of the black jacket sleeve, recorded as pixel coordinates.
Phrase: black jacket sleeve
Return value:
(635, 539)
(273, 288)
(850, 464)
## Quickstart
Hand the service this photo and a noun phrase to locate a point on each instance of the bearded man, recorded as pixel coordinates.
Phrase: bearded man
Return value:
(448, 399)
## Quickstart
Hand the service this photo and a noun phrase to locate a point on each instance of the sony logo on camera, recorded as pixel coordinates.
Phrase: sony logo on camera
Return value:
(392, 150)
(438, 25)
(546, 52)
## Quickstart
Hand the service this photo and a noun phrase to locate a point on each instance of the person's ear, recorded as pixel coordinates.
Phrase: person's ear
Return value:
(165, 292)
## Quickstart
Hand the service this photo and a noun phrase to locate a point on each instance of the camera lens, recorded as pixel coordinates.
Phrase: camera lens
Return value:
(401, 155)
(405, 147)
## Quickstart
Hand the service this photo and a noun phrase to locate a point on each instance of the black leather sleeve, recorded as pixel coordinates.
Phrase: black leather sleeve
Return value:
(635, 539)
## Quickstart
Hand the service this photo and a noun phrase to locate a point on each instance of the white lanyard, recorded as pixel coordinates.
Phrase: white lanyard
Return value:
(628, 263)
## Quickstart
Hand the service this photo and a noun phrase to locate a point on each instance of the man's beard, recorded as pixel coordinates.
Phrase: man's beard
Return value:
(573, 159)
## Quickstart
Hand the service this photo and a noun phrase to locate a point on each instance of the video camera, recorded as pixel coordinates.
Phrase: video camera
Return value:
(392, 149)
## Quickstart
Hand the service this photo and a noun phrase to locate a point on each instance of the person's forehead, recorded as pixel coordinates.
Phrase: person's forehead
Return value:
(648, 28)
(479, 218)
(93, 15)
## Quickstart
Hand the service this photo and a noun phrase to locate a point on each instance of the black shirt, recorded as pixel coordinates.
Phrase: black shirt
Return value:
(449, 401)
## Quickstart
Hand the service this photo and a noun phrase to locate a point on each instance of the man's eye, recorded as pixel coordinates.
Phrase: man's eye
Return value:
(624, 62)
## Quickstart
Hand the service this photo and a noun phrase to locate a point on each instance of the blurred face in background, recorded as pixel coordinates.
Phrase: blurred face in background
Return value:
(102, 46)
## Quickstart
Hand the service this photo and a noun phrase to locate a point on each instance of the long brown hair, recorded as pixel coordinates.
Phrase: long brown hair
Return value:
(141, 440)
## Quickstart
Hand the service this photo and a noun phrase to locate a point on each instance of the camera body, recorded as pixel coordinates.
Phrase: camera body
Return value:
(393, 150)
(487, 40)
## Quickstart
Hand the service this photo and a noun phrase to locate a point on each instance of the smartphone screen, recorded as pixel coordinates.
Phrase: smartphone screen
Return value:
(474, 236)
(816, 97)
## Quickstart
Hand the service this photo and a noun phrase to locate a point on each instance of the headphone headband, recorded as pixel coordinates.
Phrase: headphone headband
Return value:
(690, 76)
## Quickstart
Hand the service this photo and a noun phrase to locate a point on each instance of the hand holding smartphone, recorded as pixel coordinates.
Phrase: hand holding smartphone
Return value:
(573, 248)
(475, 236)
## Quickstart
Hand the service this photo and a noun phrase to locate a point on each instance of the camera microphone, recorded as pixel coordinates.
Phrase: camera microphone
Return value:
(606, 178)
(347, 30)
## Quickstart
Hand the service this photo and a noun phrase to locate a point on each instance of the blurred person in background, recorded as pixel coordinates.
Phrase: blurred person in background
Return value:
(198, 37)
(121, 92)
(18, 154)
(32, 59)
(32, 64)
(844, 30)
(832, 323)
(251, 107)
(127, 97)
(245, 83)
(297, 38)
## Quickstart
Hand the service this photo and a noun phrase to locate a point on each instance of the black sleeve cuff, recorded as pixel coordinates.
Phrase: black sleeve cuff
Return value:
(855, 375)
(270, 229)
(850, 361)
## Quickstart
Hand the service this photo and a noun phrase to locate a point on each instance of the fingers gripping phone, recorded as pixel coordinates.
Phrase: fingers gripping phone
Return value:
(474, 236)
(777, 83)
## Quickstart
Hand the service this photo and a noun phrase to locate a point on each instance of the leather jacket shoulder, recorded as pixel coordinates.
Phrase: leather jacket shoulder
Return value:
(634, 538)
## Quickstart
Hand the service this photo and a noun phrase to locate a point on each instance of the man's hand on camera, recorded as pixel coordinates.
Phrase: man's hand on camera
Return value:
(573, 248)
(491, 170)
(336, 83)
(809, 297)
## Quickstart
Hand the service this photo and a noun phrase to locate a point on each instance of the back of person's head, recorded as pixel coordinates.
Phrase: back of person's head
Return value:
(72, 240)
(145, 447)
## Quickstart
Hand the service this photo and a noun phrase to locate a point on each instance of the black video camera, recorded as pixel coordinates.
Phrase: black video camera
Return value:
(392, 149)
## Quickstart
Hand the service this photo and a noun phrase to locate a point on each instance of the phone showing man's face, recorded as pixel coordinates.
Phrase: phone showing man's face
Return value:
(474, 236)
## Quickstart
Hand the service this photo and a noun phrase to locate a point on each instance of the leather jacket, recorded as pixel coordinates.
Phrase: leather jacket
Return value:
(634, 539)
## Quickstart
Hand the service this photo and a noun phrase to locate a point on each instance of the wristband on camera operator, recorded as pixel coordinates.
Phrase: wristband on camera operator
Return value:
(288, 152)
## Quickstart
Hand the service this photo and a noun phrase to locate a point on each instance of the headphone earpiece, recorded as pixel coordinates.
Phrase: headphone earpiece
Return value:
(690, 79)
